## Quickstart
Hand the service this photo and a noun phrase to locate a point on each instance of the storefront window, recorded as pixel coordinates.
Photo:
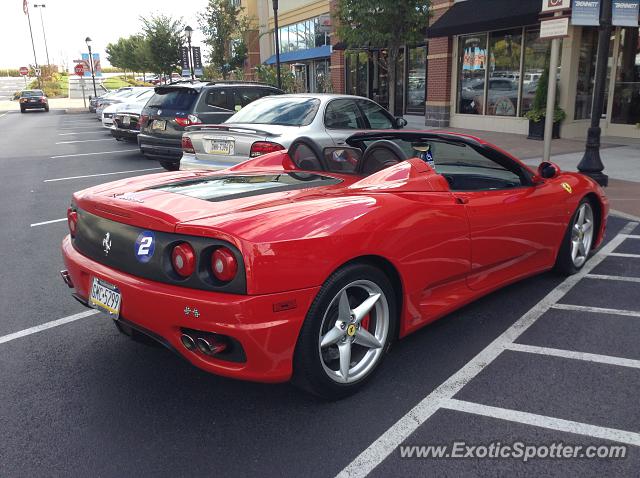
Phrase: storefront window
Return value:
(302, 35)
(416, 79)
(587, 73)
(504, 72)
(626, 94)
(357, 73)
(472, 64)
(536, 59)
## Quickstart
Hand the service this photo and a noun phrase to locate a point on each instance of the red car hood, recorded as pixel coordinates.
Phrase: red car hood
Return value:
(163, 201)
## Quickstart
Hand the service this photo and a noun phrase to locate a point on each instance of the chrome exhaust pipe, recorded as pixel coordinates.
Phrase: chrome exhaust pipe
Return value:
(188, 342)
(209, 347)
(66, 277)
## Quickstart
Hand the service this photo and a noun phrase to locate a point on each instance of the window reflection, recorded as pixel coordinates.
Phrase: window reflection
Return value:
(504, 72)
(626, 96)
(302, 35)
(472, 64)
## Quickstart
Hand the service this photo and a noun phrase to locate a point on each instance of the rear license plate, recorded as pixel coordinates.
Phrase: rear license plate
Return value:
(159, 124)
(105, 297)
(220, 146)
(126, 120)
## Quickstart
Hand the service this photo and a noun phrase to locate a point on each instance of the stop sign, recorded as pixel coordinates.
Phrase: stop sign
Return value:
(24, 71)
(79, 69)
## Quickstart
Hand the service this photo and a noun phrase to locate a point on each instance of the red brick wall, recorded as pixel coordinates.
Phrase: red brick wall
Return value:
(439, 60)
(253, 54)
(337, 57)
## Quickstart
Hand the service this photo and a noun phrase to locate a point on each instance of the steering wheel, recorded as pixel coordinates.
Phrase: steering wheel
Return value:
(380, 155)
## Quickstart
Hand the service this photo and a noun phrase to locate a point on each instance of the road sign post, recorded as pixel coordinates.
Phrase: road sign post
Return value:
(79, 70)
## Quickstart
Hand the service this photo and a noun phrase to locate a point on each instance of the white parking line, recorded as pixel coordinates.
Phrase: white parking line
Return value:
(618, 278)
(621, 254)
(48, 222)
(380, 449)
(572, 354)
(93, 154)
(101, 174)
(568, 426)
(596, 310)
(82, 132)
(633, 236)
(95, 126)
(84, 141)
(47, 325)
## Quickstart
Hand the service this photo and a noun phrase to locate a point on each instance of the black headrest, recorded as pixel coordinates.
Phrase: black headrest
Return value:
(380, 155)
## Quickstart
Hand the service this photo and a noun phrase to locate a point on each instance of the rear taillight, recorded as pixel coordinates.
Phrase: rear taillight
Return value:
(72, 221)
(187, 145)
(190, 120)
(143, 120)
(43, 99)
(183, 260)
(263, 147)
(224, 264)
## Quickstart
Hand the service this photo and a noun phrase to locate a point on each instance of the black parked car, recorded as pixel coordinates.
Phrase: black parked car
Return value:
(33, 99)
(174, 107)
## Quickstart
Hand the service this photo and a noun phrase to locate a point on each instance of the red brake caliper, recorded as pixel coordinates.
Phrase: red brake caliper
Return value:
(365, 322)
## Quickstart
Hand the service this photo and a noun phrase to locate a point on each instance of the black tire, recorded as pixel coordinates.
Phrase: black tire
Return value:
(565, 265)
(308, 370)
(46, 109)
(21, 110)
(170, 166)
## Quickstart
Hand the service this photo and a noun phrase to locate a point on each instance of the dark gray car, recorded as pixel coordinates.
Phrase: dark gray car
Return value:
(174, 107)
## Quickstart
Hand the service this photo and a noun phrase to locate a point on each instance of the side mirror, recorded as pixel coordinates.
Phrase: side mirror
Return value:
(548, 170)
(401, 122)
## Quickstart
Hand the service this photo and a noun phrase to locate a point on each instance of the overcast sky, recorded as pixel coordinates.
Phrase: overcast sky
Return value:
(68, 22)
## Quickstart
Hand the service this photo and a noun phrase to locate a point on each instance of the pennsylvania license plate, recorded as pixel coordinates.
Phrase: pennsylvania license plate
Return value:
(220, 146)
(159, 124)
(105, 297)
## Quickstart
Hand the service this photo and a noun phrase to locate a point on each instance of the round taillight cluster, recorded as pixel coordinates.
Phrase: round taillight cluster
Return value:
(72, 221)
(224, 264)
(183, 259)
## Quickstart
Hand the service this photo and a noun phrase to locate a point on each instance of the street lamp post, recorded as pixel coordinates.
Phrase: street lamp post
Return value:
(93, 73)
(189, 31)
(33, 45)
(591, 163)
(46, 48)
(277, 35)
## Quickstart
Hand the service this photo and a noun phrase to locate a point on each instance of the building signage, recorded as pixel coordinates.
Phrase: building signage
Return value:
(554, 28)
(184, 60)
(197, 61)
(554, 5)
(625, 13)
(585, 12)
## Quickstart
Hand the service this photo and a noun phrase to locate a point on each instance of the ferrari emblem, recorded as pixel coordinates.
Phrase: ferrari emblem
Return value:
(106, 243)
(351, 330)
(567, 187)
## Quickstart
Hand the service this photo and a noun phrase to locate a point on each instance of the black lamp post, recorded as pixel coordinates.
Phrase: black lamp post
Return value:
(93, 72)
(189, 31)
(46, 48)
(591, 163)
(277, 34)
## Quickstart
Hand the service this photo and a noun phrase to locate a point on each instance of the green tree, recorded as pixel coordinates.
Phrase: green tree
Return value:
(164, 37)
(383, 23)
(225, 26)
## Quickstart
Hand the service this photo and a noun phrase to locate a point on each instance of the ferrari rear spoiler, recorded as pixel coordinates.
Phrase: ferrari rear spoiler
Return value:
(231, 129)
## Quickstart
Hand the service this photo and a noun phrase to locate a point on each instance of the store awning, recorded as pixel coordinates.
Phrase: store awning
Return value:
(475, 16)
(301, 55)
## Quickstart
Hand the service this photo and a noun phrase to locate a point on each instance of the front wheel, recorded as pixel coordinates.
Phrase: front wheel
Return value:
(170, 166)
(347, 332)
(577, 242)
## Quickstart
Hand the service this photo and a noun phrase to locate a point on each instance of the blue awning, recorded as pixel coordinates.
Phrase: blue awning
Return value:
(300, 55)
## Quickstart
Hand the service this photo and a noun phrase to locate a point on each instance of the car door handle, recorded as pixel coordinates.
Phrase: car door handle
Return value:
(462, 200)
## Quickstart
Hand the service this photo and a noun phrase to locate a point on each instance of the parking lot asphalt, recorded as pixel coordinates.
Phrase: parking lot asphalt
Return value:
(544, 360)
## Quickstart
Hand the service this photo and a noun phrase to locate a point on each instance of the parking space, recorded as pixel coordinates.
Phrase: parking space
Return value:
(540, 361)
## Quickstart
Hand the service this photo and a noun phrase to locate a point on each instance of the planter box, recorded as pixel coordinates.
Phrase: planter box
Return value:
(536, 130)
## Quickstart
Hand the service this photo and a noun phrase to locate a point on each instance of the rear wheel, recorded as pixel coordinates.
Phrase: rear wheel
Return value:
(347, 332)
(578, 240)
(170, 166)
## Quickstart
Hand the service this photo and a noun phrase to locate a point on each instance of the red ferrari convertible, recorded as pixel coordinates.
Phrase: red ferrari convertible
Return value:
(307, 264)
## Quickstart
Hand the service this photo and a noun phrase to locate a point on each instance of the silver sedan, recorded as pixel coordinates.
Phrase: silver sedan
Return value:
(272, 123)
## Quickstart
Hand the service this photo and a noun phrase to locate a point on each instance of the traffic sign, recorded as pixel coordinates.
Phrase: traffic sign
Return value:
(79, 69)
(38, 71)
(24, 71)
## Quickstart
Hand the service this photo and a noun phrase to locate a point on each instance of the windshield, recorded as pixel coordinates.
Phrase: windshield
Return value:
(278, 111)
(173, 98)
(29, 93)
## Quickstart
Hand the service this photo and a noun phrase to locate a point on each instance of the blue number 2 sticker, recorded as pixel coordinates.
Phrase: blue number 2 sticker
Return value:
(145, 246)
